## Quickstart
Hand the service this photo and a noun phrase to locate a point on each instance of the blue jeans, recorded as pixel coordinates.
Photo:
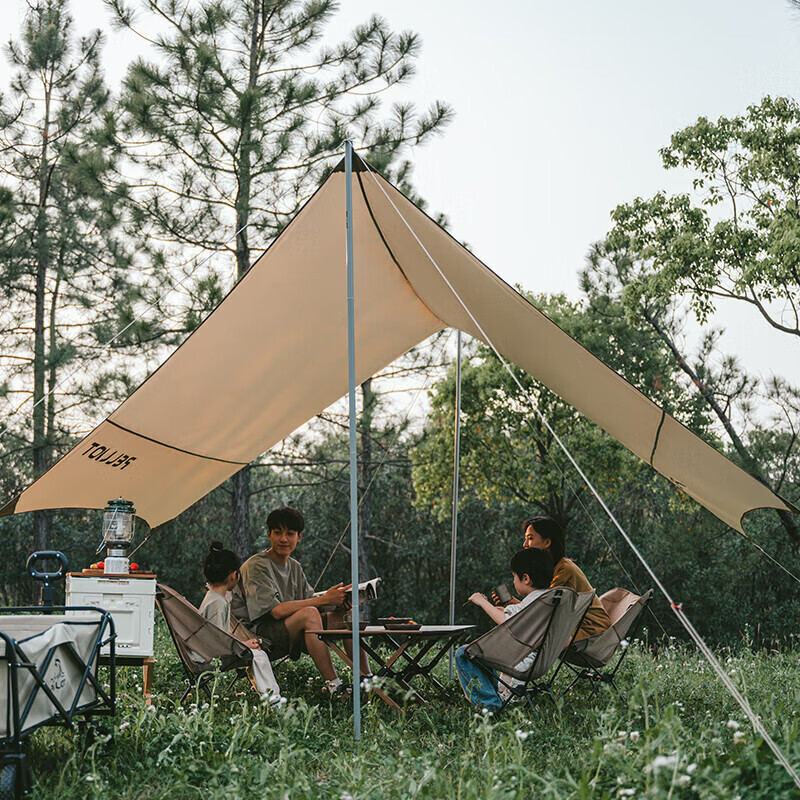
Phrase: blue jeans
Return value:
(479, 685)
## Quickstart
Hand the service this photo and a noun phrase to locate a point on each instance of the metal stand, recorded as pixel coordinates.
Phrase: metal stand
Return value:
(456, 457)
(351, 379)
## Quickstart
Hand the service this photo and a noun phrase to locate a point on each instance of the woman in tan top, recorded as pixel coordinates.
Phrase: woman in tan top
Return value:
(545, 533)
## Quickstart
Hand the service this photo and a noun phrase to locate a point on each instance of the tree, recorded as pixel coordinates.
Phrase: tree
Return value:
(242, 114)
(737, 237)
(737, 241)
(63, 267)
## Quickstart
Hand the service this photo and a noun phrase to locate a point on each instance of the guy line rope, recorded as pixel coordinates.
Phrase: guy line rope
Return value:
(676, 607)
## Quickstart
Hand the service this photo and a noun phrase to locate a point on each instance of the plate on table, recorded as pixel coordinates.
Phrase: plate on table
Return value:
(400, 624)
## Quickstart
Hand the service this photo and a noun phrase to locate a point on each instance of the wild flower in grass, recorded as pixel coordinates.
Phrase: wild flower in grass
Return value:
(626, 792)
(738, 737)
(634, 736)
(732, 724)
(691, 768)
(124, 725)
(662, 762)
(90, 778)
(522, 735)
(345, 796)
(684, 781)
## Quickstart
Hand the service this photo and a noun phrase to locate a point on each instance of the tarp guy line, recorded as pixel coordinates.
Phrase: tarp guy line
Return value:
(677, 608)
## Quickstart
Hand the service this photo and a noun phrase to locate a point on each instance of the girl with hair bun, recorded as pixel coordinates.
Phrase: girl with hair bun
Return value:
(221, 570)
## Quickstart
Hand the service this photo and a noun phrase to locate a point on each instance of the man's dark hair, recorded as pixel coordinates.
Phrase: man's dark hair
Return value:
(548, 528)
(536, 564)
(219, 563)
(287, 518)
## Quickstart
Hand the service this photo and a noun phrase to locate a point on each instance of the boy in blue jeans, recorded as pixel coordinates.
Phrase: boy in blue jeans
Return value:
(533, 571)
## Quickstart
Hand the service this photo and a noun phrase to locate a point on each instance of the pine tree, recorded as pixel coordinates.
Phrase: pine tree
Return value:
(63, 269)
(242, 113)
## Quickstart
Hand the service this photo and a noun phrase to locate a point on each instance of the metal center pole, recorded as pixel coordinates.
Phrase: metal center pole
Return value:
(456, 458)
(351, 378)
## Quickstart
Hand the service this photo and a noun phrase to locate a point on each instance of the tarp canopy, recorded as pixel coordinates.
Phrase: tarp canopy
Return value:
(274, 353)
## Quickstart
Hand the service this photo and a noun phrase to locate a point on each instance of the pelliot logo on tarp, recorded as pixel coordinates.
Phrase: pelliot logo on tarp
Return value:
(105, 455)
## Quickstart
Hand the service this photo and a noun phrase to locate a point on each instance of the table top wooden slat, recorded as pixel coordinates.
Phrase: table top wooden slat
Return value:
(378, 630)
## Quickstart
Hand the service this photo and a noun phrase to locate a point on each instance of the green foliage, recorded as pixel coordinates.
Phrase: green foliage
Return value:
(678, 735)
(740, 240)
(239, 112)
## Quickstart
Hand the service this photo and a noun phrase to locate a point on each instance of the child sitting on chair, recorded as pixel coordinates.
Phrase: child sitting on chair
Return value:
(221, 570)
(533, 572)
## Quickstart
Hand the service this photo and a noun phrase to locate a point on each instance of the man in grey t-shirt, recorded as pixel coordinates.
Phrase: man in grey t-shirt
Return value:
(274, 599)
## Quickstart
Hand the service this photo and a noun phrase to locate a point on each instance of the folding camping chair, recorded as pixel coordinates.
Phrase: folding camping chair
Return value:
(547, 625)
(588, 657)
(192, 633)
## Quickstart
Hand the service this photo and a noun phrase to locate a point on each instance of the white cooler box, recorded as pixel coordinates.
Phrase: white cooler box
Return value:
(131, 603)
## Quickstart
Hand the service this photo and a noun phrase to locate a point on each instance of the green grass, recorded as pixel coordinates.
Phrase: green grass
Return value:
(676, 736)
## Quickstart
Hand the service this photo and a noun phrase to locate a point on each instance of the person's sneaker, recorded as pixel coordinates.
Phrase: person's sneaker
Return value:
(276, 701)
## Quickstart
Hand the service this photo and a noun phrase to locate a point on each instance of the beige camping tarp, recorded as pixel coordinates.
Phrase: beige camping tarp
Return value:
(274, 353)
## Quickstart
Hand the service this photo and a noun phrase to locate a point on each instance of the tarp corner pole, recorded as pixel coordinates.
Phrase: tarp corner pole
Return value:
(456, 459)
(351, 379)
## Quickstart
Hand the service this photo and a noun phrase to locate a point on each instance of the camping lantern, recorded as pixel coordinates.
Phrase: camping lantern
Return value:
(118, 519)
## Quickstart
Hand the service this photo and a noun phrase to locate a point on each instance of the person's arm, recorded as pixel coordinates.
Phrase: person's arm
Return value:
(334, 596)
(497, 615)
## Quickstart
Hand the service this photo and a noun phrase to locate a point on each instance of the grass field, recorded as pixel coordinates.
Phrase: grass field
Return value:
(678, 735)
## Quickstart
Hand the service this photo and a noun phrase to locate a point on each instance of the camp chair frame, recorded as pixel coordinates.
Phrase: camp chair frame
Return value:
(585, 667)
(530, 687)
(16, 777)
(200, 674)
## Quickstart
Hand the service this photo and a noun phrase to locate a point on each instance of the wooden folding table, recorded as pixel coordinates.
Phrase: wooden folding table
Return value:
(412, 653)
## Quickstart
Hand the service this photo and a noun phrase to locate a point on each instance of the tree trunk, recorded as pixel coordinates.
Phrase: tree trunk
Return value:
(41, 519)
(242, 538)
(240, 512)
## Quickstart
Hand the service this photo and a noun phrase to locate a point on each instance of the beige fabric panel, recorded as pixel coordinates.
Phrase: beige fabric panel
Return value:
(112, 463)
(271, 356)
(274, 353)
(529, 339)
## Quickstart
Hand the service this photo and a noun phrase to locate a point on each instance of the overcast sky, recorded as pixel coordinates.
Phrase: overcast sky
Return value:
(560, 111)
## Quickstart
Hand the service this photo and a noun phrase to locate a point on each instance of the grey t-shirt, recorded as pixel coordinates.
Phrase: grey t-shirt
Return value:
(264, 584)
(215, 608)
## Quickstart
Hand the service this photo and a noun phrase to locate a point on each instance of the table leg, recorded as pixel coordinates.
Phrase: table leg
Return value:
(347, 660)
(415, 666)
(148, 665)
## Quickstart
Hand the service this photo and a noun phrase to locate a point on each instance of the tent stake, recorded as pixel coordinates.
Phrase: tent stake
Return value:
(351, 379)
(456, 458)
